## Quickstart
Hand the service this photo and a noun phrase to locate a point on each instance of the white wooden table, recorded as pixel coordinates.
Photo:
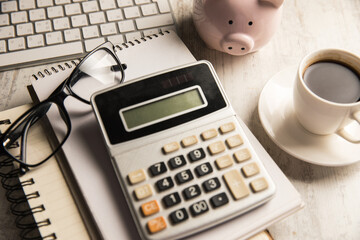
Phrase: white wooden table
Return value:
(331, 195)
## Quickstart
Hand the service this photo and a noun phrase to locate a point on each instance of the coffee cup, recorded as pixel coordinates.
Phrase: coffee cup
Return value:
(326, 93)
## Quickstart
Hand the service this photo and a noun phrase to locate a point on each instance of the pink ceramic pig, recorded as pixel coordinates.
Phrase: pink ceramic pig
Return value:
(237, 27)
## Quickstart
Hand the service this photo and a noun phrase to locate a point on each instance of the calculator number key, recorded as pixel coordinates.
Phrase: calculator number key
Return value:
(184, 176)
(179, 216)
(203, 169)
(196, 155)
(158, 168)
(177, 162)
(211, 184)
(199, 208)
(171, 199)
(191, 192)
(164, 184)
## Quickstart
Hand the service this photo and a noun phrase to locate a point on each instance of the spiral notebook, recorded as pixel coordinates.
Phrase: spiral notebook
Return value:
(85, 160)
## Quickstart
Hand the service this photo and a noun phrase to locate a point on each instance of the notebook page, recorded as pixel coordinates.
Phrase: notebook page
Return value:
(54, 195)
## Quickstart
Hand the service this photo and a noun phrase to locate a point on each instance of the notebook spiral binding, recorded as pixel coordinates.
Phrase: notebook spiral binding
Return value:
(74, 63)
(25, 221)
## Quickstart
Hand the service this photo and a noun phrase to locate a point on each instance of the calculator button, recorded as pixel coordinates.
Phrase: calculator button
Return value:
(150, 208)
(242, 155)
(171, 147)
(179, 216)
(143, 192)
(184, 176)
(236, 184)
(137, 176)
(199, 208)
(228, 127)
(208, 134)
(191, 192)
(164, 184)
(158, 168)
(156, 224)
(189, 141)
(196, 155)
(250, 169)
(224, 162)
(219, 200)
(234, 141)
(171, 199)
(177, 162)
(216, 147)
(203, 169)
(259, 185)
(211, 184)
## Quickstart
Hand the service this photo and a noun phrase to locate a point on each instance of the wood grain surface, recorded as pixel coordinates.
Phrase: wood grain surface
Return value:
(331, 195)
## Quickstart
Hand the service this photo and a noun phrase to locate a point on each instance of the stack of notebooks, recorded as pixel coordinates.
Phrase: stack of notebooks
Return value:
(80, 191)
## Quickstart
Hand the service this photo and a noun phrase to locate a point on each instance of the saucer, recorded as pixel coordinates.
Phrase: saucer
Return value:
(278, 119)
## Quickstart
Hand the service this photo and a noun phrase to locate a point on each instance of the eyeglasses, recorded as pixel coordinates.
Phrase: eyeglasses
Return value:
(97, 70)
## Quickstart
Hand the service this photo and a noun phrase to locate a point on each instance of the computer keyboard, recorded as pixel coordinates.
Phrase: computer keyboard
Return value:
(42, 31)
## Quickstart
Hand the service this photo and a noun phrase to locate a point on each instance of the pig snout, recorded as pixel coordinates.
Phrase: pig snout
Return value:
(237, 44)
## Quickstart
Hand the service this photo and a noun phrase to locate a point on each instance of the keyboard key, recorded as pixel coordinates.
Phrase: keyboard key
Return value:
(90, 44)
(143, 192)
(90, 32)
(9, 6)
(179, 216)
(125, 3)
(114, 15)
(116, 39)
(141, 1)
(250, 169)
(4, 19)
(72, 9)
(156, 224)
(26, 4)
(36, 41)
(191, 192)
(163, 5)
(79, 20)
(164, 184)
(196, 155)
(211, 184)
(132, 12)
(154, 21)
(54, 38)
(184, 176)
(56, 11)
(242, 155)
(7, 32)
(24, 29)
(2, 46)
(171, 199)
(199, 208)
(224, 162)
(137, 176)
(16, 43)
(149, 9)
(216, 147)
(236, 184)
(219, 200)
(259, 185)
(234, 141)
(61, 23)
(43, 26)
(107, 4)
(18, 17)
(45, 3)
(158, 168)
(37, 14)
(90, 6)
(177, 162)
(132, 36)
(72, 35)
(59, 2)
(170, 147)
(108, 29)
(228, 127)
(203, 169)
(96, 18)
(150, 208)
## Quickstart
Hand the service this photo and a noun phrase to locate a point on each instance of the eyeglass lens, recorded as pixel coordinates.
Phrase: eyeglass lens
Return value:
(96, 72)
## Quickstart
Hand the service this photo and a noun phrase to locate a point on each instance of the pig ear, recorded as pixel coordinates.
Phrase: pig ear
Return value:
(276, 3)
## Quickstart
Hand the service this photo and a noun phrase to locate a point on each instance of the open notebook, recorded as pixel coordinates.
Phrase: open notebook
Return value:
(86, 161)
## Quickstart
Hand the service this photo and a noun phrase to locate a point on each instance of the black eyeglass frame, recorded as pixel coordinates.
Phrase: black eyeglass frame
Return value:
(21, 125)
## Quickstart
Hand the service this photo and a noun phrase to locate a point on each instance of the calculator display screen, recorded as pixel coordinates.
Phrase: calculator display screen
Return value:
(151, 105)
(162, 108)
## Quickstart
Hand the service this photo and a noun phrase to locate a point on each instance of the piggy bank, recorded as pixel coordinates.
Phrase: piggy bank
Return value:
(237, 27)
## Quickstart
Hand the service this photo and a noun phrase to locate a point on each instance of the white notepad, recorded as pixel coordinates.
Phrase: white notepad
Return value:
(89, 164)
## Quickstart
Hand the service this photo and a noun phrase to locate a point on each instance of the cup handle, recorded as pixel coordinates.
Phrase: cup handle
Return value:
(347, 136)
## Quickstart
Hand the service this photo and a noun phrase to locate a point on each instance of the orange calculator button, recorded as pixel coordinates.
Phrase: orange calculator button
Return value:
(150, 208)
(156, 224)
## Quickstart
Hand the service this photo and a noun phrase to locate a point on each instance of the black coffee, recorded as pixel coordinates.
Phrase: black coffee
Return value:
(333, 82)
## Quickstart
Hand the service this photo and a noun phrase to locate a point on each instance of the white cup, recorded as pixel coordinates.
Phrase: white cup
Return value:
(321, 116)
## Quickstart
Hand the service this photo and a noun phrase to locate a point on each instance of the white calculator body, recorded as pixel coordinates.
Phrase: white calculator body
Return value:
(183, 160)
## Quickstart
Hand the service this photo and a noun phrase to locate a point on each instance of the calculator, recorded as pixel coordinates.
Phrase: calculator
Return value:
(182, 159)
